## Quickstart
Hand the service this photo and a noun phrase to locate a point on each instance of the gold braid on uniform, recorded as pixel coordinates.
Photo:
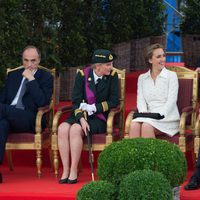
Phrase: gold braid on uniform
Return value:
(113, 72)
(77, 111)
(81, 72)
(104, 106)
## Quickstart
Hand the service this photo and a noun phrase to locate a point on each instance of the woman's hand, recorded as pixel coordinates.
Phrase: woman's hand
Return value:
(85, 126)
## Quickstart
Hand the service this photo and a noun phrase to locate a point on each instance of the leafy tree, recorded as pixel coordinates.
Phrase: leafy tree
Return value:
(191, 20)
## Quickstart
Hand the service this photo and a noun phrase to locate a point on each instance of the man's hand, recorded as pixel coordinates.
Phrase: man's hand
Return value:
(85, 126)
(27, 73)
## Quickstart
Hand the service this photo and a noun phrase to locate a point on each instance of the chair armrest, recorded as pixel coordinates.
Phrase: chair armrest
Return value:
(128, 122)
(197, 138)
(187, 109)
(182, 127)
(38, 120)
(62, 110)
(110, 120)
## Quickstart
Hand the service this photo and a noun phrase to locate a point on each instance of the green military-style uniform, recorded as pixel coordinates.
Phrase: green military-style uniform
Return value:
(107, 97)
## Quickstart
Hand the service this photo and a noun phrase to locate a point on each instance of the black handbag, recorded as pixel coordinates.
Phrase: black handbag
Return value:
(148, 115)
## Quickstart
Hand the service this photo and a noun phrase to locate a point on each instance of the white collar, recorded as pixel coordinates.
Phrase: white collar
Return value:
(96, 77)
(163, 73)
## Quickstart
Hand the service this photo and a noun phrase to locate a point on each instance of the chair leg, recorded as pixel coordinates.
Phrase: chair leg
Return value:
(10, 162)
(51, 158)
(38, 162)
(55, 162)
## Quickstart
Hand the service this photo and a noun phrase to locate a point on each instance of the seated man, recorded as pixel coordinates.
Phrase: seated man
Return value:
(26, 89)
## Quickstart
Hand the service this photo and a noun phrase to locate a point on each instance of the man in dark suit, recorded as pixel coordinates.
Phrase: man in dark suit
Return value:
(26, 89)
(95, 92)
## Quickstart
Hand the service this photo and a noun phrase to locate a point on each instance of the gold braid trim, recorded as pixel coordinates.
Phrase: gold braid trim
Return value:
(81, 72)
(104, 105)
(77, 111)
(113, 72)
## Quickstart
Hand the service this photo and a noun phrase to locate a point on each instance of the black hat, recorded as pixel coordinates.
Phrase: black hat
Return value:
(102, 56)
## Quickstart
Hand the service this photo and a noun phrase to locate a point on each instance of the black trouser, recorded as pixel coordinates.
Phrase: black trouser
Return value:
(14, 120)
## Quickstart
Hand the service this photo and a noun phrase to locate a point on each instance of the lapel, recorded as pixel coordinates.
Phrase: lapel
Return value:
(17, 81)
(37, 74)
(90, 80)
(103, 84)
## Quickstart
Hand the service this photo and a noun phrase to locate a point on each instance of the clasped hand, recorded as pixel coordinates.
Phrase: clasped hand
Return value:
(90, 109)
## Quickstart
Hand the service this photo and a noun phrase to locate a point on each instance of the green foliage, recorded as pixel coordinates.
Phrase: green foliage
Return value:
(191, 20)
(68, 31)
(97, 190)
(135, 19)
(145, 185)
(128, 155)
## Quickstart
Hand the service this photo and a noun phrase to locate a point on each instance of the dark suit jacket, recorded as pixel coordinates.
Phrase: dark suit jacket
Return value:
(38, 92)
(107, 94)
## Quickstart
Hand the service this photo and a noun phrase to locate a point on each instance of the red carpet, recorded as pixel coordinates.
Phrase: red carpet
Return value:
(23, 184)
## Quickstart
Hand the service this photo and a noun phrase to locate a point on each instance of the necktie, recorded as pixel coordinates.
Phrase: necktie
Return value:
(23, 89)
(98, 81)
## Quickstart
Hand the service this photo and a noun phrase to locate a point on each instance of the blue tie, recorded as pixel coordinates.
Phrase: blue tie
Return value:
(19, 101)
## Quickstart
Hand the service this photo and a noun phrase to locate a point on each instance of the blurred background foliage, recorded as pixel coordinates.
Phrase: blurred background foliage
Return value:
(67, 31)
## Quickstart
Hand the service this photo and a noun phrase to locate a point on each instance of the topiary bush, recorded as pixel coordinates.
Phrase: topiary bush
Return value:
(145, 185)
(128, 155)
(97, 190)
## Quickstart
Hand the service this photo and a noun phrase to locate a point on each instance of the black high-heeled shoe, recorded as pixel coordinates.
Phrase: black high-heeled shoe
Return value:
(69, 181)
(63, 181)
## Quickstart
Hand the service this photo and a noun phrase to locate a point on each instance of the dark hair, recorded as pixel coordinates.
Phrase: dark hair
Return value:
(148, 53)
(32, 47)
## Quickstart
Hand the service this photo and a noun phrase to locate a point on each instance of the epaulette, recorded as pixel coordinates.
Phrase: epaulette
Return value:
(81, 72)
(113, 72)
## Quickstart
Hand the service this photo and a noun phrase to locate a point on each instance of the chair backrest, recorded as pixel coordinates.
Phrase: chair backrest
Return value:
(52, 103)
(188, 91)
(121, 79)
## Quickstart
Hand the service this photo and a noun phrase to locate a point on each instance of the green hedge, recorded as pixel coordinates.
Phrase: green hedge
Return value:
(145, 185)
(97, 190)
(128, 155)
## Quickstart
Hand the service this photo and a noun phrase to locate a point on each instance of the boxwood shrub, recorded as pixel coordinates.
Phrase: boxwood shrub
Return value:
(128, 155)
(145, 185)
(97, 190)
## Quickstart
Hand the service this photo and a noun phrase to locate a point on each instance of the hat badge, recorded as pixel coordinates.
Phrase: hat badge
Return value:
(110, 57)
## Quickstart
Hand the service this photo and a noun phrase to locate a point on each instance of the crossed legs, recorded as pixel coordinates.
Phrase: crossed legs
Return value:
(70, 142)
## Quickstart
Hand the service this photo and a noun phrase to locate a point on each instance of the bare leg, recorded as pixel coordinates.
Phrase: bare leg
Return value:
(76, 145)
(147, 131)
(135, 130)
(63, 145)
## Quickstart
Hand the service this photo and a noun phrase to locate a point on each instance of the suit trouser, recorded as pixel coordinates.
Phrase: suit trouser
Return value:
(14, 120)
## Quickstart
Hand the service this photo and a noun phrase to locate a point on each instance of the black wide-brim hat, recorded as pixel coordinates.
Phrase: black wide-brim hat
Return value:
(102, 56)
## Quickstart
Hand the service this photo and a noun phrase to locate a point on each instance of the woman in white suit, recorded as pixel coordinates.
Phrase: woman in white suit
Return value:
(157, 93)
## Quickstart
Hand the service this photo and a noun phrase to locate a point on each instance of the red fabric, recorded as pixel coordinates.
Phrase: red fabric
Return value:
(23, 183)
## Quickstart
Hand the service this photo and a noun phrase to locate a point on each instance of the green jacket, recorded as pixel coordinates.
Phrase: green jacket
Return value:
(107, 94)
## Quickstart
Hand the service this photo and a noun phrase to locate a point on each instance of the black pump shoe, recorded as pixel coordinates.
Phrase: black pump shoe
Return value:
(72, 181)
(63, 181)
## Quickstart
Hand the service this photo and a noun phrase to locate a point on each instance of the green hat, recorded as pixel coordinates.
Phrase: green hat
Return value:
(102, 56)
